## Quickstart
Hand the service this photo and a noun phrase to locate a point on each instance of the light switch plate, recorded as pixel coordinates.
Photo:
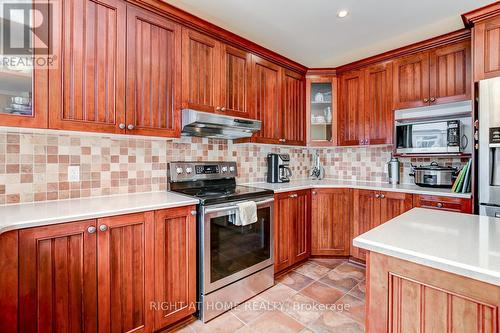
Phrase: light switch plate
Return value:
(73, 173)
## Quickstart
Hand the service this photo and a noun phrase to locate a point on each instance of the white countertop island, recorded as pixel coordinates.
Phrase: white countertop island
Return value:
(463, 244)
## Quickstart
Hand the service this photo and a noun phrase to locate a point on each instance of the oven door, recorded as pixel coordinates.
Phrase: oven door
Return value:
(230, 252)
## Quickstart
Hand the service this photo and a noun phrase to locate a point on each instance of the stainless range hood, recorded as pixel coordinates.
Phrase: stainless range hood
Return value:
(204, 124)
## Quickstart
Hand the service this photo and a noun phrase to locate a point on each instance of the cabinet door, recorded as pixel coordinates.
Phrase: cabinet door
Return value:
(126, 272)
(379, 115)
(411, 81)
(266, 99)
(293, 90)
(58, 278)
(330, 224)
(200, 71)
(450, 75)
(283, 211)
(487, 49)
(153, 74)
(175, 264)
(366, 216)
(393, 204)
(301, 228)
(87, 89)
(351, 114)
(235, 81)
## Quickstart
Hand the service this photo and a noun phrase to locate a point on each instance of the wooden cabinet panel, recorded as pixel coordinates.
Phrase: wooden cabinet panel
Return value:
(450, 73)
(9, 281)
(331, 221)
(407, 297)
(393, 204)
(351, 113)
(266, 99)
(366, 215)
(460, 205)
(87, 89)
(486, 38)
(411, 81)
(235, 81)
(175, 264)
(200, 71)
(126, 272)
(58, 278)
(293, 89)
(153, 74)
(301, 227)
(378, 112)
(282, 231)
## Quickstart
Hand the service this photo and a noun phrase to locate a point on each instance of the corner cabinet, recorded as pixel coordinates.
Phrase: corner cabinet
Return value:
(292, 242)
(113, 274)
(321, 111)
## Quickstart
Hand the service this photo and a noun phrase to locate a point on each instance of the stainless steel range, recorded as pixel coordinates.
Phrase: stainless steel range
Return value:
(234, 262)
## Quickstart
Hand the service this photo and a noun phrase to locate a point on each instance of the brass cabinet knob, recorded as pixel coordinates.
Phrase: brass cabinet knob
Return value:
(377, 195)
(433, 99)
(439, 205)
(130, 127)
(121, 126)
(217, 108)
(223, 109)
(426, 100)
(382, 196)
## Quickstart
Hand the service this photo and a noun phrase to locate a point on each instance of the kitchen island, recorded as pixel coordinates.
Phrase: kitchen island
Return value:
(433, 271)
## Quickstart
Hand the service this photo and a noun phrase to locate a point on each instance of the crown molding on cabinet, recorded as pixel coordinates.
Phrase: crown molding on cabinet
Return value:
(481, 14)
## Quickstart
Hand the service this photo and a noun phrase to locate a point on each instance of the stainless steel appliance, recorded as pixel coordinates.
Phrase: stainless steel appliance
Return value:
(393, 172)
(205, 124)
(234, 262)
(489, 147)
(317, 172)
(278, 168)
(434, 130)
(434, 175)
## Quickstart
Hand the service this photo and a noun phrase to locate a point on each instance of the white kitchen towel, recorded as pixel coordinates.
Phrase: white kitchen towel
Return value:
(248, 213)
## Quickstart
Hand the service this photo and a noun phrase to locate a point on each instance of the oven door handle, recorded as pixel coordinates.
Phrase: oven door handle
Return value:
(233, 207)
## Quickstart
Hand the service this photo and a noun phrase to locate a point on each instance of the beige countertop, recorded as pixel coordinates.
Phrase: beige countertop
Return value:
(27, 215)
(464, 244)
(332, 183)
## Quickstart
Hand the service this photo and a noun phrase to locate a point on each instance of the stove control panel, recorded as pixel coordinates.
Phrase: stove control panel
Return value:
(191, 171)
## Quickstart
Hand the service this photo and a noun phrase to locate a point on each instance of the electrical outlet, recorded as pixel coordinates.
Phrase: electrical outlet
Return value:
(74, 173)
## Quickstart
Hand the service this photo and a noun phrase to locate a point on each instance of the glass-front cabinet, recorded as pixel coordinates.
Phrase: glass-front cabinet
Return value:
(321, 105)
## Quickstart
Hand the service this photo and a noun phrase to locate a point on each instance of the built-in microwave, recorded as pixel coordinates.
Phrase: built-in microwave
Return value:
(443, 129)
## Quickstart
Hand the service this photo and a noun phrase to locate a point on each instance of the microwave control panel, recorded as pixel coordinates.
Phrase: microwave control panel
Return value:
(495, 135)
(453, 134)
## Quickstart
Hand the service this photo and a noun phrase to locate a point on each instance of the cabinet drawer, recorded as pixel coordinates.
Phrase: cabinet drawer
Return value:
(461, 205)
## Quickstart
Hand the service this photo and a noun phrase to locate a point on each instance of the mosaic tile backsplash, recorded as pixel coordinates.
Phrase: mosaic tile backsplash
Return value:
(34, 165)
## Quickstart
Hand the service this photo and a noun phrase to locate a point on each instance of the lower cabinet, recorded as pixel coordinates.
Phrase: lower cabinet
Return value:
(126, 273)
(459, 205)
(331, 221)
(372, 208)
(291, 228)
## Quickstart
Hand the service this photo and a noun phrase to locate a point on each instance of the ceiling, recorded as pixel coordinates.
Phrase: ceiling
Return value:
(309, 32)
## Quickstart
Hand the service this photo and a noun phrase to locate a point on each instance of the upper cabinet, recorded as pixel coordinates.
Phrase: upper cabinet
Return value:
(352, 109)
(321, 104)
(293, 105)
(486, 36)
(87, 89)
(153, 74)
(441, 75)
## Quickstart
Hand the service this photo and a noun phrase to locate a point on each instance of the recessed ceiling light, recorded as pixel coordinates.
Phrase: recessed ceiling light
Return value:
(342, 13)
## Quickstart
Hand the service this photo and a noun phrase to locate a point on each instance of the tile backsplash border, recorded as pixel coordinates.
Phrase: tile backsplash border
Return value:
(34, 163)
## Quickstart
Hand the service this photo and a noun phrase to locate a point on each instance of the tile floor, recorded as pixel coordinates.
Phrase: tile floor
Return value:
(322, 295)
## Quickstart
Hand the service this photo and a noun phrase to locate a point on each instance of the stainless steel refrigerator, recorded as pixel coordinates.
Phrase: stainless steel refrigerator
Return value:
(489, 147)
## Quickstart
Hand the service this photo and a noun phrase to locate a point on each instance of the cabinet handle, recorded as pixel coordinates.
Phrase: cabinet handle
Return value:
(433, 99)
(382, 196)
(193, 212)
(217, 108)
(103, 227)
(282, 140)
(121, 126)
(130, 127)
(314, 193)
(223, 109)
(366, 141)
(91, 229)
(439, 205)
(360, 141)
(293, 195)
(377, 195)
(426, 100)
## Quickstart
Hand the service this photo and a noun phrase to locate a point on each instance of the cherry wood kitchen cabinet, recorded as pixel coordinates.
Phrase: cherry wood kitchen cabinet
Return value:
(266, 100)
(321, 103)
(331, 221)
(352, 109)
(459, 205)
(175, 264)
(58, 278)
(372, 208)
(378, 112)
(153, 74)
(440, 75)
(87, 88)
(293, 105)
(291, 228)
